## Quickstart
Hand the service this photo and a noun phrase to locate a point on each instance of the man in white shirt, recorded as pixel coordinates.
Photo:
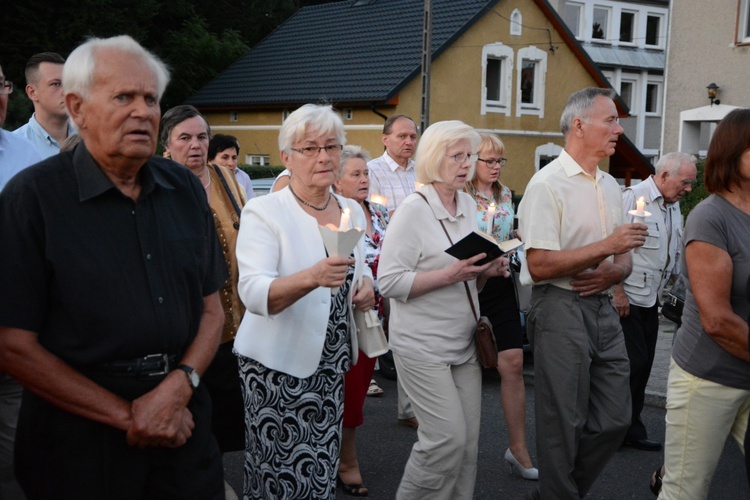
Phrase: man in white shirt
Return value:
(49, 126)
(577, 247)
(637, 298)
(392, 175)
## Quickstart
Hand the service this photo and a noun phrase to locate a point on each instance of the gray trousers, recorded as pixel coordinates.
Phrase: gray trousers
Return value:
(581, 382)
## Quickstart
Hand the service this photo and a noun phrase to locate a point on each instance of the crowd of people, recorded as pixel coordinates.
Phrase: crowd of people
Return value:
(158, 314)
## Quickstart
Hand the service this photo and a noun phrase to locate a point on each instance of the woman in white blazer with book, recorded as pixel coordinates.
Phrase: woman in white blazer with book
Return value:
(295, 342)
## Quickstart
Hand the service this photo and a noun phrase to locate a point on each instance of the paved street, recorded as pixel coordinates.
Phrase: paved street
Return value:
(384, 447)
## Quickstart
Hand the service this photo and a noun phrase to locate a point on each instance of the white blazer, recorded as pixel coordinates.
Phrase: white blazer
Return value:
(278, 238)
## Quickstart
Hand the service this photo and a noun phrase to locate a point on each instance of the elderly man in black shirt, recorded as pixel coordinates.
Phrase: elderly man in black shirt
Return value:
(110, 270)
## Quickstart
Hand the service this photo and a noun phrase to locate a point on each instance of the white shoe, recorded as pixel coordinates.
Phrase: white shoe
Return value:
(531, 473)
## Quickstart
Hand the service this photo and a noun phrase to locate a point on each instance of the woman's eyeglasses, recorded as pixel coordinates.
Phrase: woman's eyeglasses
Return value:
(491, 163)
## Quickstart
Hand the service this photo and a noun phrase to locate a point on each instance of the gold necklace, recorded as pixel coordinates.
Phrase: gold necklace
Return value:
(200, 177)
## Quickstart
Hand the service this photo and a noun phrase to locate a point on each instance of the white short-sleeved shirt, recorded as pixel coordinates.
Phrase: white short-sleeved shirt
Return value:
(564, 208)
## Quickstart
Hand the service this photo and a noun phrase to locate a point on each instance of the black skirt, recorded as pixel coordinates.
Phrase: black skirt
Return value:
(497, 301)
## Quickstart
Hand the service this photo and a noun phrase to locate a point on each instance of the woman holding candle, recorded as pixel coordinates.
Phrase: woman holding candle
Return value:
(295, 343)
(495, 214)
(431, 322)
(354, 183)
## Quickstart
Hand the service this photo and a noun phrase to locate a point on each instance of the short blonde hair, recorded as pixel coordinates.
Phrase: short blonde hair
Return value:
(488, 142)
(435, 142)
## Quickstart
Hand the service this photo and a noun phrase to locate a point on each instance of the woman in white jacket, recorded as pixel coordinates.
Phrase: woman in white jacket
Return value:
(295, 344)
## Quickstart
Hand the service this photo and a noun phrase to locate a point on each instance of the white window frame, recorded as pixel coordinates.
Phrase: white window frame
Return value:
(504, 54)
(516, 23)
(284, 115)
(259, 160)
(348, 114)
(743, 22)
(634, 32)
(539, 56)
(607, 29)
(579, 33)
(659, 82)
(634, 93)
(661, 36)
(233, 116)
(549, 150)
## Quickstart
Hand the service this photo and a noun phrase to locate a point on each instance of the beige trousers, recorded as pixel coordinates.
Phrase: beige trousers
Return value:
(700, 415)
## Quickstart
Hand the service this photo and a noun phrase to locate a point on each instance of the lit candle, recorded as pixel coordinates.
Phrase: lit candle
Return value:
(380, 200)
(640, 205)
(490, 217)
(344, 225)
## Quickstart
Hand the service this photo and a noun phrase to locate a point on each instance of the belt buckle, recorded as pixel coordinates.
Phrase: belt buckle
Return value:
(162, 357)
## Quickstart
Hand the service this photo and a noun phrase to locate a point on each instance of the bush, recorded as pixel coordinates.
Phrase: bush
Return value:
(261, 172)
(699, 193)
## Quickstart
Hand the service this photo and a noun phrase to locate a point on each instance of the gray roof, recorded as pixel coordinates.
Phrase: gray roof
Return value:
(352, 51)
(626, 57)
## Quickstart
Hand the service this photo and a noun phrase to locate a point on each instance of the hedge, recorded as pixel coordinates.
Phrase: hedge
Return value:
(261, 172)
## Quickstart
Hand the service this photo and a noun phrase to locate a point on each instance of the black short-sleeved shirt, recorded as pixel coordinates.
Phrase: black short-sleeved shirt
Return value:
(98, 276)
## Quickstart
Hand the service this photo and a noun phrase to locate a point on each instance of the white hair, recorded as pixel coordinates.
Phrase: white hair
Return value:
(317, 118)
(672, 162)
(78, 72)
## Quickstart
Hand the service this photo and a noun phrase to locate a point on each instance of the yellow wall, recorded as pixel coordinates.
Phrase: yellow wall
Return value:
(456, 83)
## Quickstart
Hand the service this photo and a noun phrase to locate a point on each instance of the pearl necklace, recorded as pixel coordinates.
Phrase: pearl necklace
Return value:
(319, 209)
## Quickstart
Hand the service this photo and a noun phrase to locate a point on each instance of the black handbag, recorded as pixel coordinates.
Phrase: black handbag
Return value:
(675, 302)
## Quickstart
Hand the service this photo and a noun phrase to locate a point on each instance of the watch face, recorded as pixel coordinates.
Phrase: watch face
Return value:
(193, 376)
(194, 379)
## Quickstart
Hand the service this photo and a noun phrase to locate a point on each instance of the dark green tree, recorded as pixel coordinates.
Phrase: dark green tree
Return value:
(206, 55)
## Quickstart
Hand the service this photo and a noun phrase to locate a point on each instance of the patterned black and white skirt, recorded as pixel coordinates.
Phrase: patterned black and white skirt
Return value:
(293, 425)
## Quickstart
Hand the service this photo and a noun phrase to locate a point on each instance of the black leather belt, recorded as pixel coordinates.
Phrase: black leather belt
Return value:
(146, 366)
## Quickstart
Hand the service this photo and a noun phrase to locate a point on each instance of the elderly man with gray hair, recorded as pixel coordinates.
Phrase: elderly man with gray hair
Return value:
(111, 268)
(637, 298)
(577, 247)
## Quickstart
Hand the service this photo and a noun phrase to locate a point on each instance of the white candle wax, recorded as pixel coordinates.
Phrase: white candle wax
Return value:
(344, 225)
(640, 204)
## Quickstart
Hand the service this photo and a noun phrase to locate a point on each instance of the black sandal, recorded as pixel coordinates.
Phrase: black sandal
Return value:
(655, 485)
(353, 490)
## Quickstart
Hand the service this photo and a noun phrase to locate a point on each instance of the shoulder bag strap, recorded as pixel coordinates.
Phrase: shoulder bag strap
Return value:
(236, 206)
(466, 285)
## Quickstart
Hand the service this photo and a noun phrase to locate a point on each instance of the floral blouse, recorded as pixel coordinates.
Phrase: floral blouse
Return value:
(502, 226)
(380, 221)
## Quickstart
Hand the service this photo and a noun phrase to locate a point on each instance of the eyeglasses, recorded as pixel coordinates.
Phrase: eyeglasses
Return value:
(313, 151)
(462, 157)
(6, 88)
(491, 163)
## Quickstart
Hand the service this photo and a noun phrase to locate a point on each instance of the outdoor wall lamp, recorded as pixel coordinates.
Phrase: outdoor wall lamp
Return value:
(713, 90)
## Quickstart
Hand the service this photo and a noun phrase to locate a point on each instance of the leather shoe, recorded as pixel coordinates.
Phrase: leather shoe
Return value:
(643, 444)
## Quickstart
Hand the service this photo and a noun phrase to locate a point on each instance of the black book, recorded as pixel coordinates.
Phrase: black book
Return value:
(478, 242)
